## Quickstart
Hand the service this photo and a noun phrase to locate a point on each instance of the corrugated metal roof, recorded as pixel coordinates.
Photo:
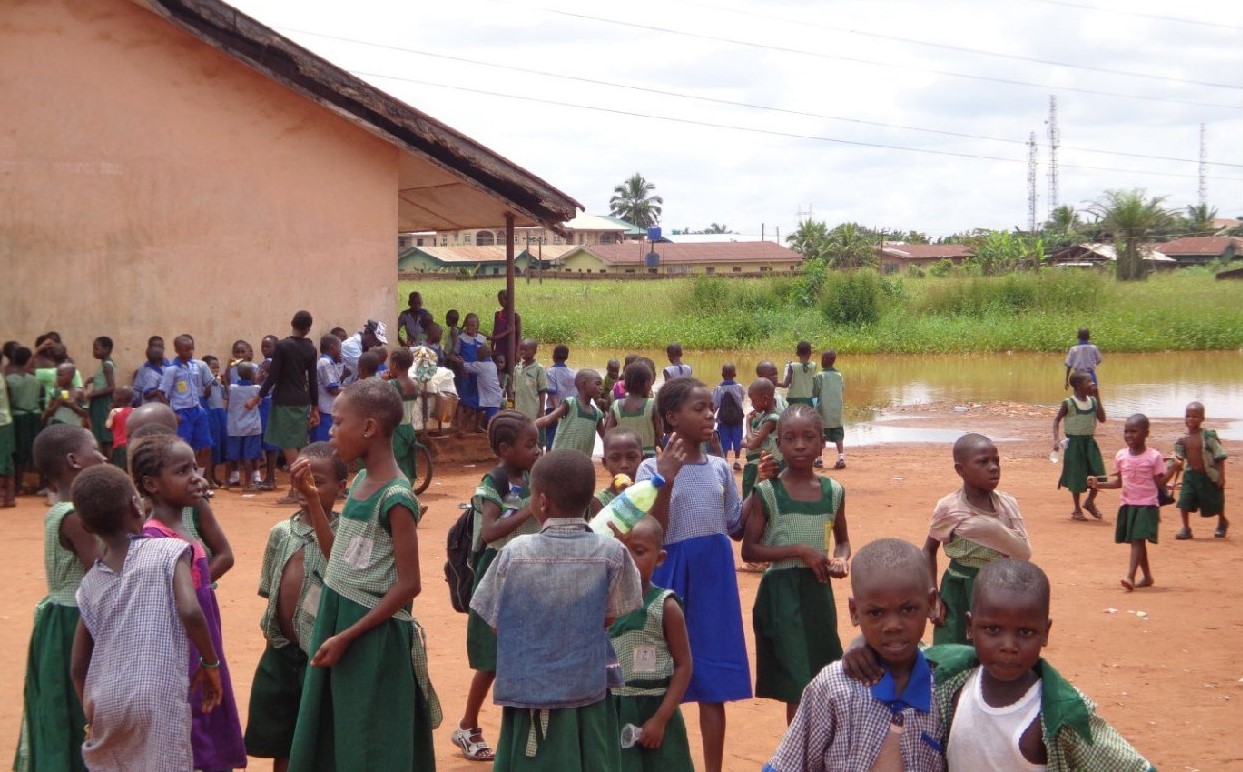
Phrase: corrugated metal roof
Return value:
(590, 222)
(926, 251)
(632, 253)
(1201, 245)
(1108, 252)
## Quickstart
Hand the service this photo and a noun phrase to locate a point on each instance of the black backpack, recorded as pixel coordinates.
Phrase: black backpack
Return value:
(462, 556)
(730, 412)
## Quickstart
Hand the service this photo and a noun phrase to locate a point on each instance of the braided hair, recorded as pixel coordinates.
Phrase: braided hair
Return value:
(674, 394)
(799, 411)
(149, 455)
(505, 428)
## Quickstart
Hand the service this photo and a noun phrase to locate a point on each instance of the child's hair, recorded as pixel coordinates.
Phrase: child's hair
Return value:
(247, 370)
(800, 412)
(1140, 419)
(729, 371)
(638, 378)
(762, 386)
(326, 342)
(104, 342)
(102, 497)
(651, 527)
(1016, 577)
(471, 315)
(622, 432)
(584, 375)
(324, 450)
(561, 353)
(402, 359)
(803, 348)
(237, 343)
(673, 350)
(154, 339)
(53, 445)
(369, 363)
(21, 356)
(451, 317)
(485, 352)
(1078, 377)
(148, 457)
(1084, 334)
(674, 394)
(434, 332)
(886, 557)
(301, 321)
(505, 428)
(567, 478)
(376, 399)
(123, 395)
(968, 443)
(1194, 405)
(10, 346)
(209, 360)
(340, 333)
(827, 358)
(613, 364)
(629, 360)
(57, 353)
(183, 340)
(66, 369)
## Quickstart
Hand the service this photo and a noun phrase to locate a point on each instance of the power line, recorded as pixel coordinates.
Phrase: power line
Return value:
(731, 102)
(860, 60)
(1139, 14)
(752, 130)
(961, 49)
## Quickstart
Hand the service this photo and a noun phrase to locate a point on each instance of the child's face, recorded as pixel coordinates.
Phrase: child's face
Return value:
(1135, 434)
(1083, 386)
(179, 483)
(761, 399)
(891, 612)
(981, 467)
(1008, 631)
(98, 351)
(86, 454)
(695, 419)
(184, 349)
(155, 353)
(451, 318)
(613, 368)
(527, 351)
(472, 325)
(64, 376)
(349, 428)
(267, 346)
(1194, 418)
(647, 554)
(241, 351)
(524, 451)
(622, 455)
(592, 386)
(122, 397)
(768, 371)
(800, 441)
(326, 483)
(214, 366)
(334, 351)
(500, 361)
(434, 335)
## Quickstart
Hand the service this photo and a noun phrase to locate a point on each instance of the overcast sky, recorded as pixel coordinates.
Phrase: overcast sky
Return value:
(877, 72)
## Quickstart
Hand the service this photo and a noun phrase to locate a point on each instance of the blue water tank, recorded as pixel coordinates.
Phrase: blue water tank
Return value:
(652, 260)
(653, 233)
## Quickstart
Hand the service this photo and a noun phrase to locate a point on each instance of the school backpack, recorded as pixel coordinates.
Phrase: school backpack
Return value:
(459, 571)
(730, 412)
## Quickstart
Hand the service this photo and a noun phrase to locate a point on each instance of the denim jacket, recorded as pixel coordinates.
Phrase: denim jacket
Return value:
(548, 596)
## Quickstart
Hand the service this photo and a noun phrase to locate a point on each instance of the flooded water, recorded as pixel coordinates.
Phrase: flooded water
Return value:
(1159, 385)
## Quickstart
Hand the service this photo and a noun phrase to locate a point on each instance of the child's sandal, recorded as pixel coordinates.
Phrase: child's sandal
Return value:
(473, 746)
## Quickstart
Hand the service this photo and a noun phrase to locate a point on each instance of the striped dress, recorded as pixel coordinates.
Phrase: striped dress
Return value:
(641, 421)
(577, 428)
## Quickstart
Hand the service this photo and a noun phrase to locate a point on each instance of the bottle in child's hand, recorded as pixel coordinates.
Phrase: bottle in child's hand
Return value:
(630, 735)
(630, 506)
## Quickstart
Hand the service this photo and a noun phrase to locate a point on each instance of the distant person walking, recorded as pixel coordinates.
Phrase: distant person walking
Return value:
(1082, 356)
(295, 402)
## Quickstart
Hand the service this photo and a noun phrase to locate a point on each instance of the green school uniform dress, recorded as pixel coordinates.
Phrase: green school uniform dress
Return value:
(640, 420)
(1083, 456)
(480, 637)
(26, 395)
(374, 709)
(99, 406)
(752, 469)
(8, 436)
(404, 441)
(829, 388)
(647, 667)
(577, 428)
(794, 618)
(801, 375)
(52, 717)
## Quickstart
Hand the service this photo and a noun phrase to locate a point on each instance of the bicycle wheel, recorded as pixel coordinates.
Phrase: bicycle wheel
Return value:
(423, 467)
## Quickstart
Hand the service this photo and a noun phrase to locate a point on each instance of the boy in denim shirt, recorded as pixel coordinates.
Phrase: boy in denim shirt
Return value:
(551, 597)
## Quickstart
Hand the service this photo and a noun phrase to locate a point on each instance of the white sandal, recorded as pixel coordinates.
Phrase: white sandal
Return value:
(475, 750)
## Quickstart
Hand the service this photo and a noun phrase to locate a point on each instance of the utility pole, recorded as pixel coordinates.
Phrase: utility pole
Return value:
(1055, 141)
(1031, 183)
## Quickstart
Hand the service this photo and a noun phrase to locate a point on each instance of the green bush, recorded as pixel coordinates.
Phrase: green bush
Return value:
(852, 298)
(915, 272)
(941, 268)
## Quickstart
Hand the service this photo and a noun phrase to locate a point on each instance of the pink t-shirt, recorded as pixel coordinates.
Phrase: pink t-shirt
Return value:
(1139, 488)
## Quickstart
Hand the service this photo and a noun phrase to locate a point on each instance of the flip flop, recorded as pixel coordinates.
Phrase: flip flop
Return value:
(1093, 511)
(1220, 533)
(1126, 585)
(1078, 516)
(1183, 534)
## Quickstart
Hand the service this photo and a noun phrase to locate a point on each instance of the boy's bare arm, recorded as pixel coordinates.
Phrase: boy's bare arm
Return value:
(931, 547)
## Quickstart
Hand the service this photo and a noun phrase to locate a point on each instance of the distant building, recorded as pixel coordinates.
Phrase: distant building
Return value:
(583, 230)
(1091, 255)
(475, 261)
(898, 257)
(735, 257)
(1200, 250)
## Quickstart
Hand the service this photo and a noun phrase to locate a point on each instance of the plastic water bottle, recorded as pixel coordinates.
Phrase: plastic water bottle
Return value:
(630, 506)
(630, 735)
(1060, 448)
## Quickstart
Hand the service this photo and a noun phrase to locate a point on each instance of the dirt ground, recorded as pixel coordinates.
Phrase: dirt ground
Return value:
(1171, 682)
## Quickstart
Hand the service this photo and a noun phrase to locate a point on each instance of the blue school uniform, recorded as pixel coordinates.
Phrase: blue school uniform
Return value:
(217, 421)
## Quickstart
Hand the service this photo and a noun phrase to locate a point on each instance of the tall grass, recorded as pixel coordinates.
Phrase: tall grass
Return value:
(867, 313)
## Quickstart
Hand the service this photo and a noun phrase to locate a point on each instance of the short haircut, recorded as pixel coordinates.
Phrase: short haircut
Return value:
(151, 430)
(638, 378)
(1084, 333)
(1016, 577)
(650, 527)
(1140, 419)
(22, 355)
(1079, 376)
(567, 477)
(102, 498)
(803, 348)
(827, 358)
(729, 367)
(584, 375)
(247, 370)
(370, 362)
(10, 346)
(123, 394)
(54, 444)
(326, 342)
(800, 412)
(561, 352)
(57, 353)
(209, 359)
(451, 314)
(887, 557)
(674, 394)
(402, 359)
(622, 433)
(969, 443)
(325, 450)
(1197, 405)
(505, 428)
(673, 349)
(154, 339)
(149, 457)
(182, 340)
(377, 399)
(301, 321)
(340, 333)
(104, 342)
(762, 386)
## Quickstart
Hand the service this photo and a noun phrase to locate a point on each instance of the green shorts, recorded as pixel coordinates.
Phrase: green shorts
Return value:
(834, 433)
(8, 444)
(287, 426)
(274, 697)
(1200, 493)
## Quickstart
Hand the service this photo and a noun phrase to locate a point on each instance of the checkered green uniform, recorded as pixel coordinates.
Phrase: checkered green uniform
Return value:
(638, 630)
(577, 428)
(787, 528)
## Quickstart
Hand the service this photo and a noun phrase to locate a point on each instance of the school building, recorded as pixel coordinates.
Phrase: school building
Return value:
(584, 229)
(174, 166)
(669, 259)
(476, 261)
(898, 257)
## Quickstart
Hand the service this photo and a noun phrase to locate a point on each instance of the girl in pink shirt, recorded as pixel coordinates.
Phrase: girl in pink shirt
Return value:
(1140, 472)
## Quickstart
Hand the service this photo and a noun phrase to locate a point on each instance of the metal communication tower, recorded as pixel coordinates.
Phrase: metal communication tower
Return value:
(1031, 183)
(1203, 166)
(1055, 140)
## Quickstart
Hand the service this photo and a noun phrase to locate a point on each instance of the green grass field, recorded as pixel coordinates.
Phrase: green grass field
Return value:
(1183, 310)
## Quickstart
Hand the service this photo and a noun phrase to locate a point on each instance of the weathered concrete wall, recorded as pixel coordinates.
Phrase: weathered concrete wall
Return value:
(150, 184)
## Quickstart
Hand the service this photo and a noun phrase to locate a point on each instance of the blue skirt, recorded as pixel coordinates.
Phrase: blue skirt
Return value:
(701, 571)
(218, 422)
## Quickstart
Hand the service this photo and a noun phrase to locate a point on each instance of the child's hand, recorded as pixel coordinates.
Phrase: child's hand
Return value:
(860, 663)
(769, 469)
(301, 478)
(653, 733)
(330, 651)
(937, 615)
(812, 558)
(253, 402)
(1093, 483)
(672, 459)
(839, 568)
(209, 680)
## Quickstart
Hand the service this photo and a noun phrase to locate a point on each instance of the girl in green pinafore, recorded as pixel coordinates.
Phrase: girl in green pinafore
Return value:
(761, 436)
(799, 377)
(501, 513)
(99, 396)
(637, 410)
(367, 702)
(580, 421)
(788, 521)
(1082, 458)
(53, 720)
(404, 441)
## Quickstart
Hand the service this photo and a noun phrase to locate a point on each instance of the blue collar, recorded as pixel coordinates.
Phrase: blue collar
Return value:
(918, 691)
(245, 382)
(730, 382)
(157, 368)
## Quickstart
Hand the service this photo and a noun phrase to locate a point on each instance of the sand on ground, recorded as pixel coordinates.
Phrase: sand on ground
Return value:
(1171, 682)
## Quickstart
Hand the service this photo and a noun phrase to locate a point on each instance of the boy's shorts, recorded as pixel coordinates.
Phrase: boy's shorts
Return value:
(274, 697)
(834, 433)
(1200, 493)
(323, 430)
(249, 448)
(194, 427)
(731, 437)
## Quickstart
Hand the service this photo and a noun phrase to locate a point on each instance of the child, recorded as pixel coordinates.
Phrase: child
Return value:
(761, 436)
(798, 378)
(165, 469)
(561, 380)
(676, 369)
(245, 426)
(404, 441)
(1082, 356)
(435, 334)
(977, 524)
(367, 702)
(267, 346)
(52, 720)
(637, 408)
(578, 420)
(8, 488)
(623, 452)
(767, 370)
(1082, 459)
(502, 376)
(655, 657)
(129, 653)
(502, 513)
(451, 329)
(25, 394)
(895, 724)
(501, 332)
(217, 418)
(329, 371)
(369, 363)
(612, 374)
(466, 351)
(828, 389)
(619, 388)
(147, 378)
(117, 421)
(488, 392)
(530, 383)
(788, 525)
(1204, 481)
(727, 399)
(184, 383)
(1141, 473)
(66, 403)
(700, 510)
(291, 580)
(99, 393)
(550, 596)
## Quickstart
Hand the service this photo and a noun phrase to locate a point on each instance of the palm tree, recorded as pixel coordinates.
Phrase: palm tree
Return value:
(717, 228)
(1130, 215)
(849, 246)
(809, 239)
(1200, 220)
(632, 201)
